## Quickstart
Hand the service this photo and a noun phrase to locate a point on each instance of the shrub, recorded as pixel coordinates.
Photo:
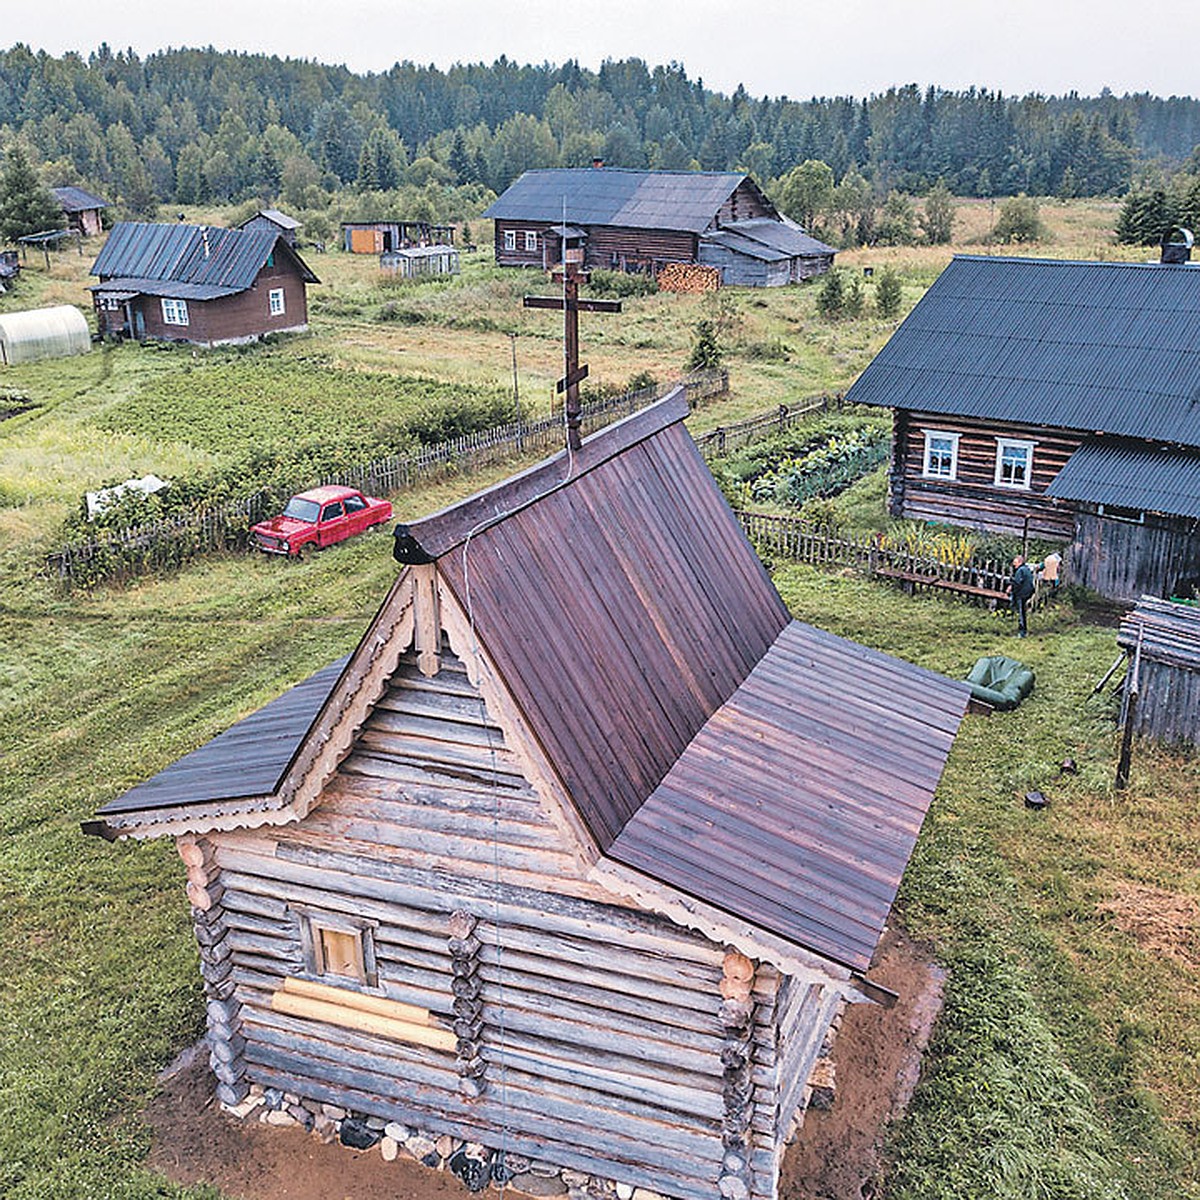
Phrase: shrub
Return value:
(1020, 220)
(831, 299)
(706, 350)
(619, 284)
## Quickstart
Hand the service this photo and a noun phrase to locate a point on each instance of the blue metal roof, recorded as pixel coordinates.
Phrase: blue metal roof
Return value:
(1101, 347)
(686, 200)
(227, 260)
(1162, 479)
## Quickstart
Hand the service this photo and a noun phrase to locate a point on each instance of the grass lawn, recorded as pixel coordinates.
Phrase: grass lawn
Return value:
(1066, 1063)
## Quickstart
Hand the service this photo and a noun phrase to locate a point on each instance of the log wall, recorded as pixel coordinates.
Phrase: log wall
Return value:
(973, 499)
(582, 1032)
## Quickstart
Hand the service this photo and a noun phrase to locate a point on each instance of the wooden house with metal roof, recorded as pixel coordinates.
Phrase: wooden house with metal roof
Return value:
(82, 210)
(642, 220)
(196, 283)
(1054, 399)
(580, 852)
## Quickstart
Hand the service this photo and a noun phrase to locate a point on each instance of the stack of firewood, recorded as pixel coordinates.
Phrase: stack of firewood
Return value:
(688, 277)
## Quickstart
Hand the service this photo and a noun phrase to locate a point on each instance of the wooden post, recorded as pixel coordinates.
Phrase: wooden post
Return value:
(1131, 699)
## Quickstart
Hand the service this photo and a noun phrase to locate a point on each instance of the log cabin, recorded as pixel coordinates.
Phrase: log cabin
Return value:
(198, 284)
(1056, 400)
(640, 221)
(579, 854)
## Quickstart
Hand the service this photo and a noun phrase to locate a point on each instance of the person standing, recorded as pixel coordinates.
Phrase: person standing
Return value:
(1021, 591)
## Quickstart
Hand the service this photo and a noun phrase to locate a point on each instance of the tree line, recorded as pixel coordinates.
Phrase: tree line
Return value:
(198, 125)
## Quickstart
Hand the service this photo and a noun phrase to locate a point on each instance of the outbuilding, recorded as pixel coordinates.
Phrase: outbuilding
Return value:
(84, 212)
(577, 857)
(274, 221)
(415, 261)
(43, 333)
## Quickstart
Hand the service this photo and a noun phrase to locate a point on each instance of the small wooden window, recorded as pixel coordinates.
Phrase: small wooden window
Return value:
(1014, 463)
(175, 312)
(275, 298)
(530, 240)
(338, 949)
(510, 239)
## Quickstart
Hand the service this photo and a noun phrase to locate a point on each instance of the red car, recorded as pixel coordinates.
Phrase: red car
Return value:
(318, 518)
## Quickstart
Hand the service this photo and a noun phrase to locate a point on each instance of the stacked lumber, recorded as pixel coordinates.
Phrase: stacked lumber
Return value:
(688, 277)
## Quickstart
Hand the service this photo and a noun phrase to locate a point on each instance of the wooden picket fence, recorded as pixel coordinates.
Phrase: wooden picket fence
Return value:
(983, 580)
(141, 549)
(725, 439)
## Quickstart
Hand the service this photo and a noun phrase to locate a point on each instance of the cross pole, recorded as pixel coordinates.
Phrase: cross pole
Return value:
(570, 275)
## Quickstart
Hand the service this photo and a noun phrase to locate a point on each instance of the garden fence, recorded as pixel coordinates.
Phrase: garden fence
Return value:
(136, 550)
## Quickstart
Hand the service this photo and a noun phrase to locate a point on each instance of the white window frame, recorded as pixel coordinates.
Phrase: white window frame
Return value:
(530, 240)
(1002, 446)
(276, 302)
(510, 239)
(174, 312)
(927, 470)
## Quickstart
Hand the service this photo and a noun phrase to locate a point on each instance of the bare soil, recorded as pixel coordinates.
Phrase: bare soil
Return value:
(834, 1157)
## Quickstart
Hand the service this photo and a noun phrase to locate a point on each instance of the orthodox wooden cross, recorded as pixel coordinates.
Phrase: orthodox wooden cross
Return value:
(570, 275)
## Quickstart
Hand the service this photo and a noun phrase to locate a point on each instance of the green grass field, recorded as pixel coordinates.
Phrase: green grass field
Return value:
(1066, 1062)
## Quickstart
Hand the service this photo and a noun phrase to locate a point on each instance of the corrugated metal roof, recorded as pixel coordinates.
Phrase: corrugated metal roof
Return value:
(744, 245)
(1134, 475)
(687, 200)
(1104, 347)
(123, 288)
(74, 199)
(799, 803)
(785, 236)
(248, 759)
(280, 218)
(208, 257)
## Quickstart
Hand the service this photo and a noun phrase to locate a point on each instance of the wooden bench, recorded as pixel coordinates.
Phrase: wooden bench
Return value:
(913, 579)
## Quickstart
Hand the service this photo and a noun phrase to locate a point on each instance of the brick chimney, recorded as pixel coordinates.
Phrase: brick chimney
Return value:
(597, 163)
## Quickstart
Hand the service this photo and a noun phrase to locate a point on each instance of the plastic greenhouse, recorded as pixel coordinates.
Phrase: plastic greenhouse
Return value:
(43, 333)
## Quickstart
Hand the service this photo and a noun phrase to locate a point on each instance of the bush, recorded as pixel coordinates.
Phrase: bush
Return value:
(1020, 220)
(706, 351)
(619, 284)
(831, 299)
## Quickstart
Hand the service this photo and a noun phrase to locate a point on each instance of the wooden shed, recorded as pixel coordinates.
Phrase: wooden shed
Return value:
(1162, 641)
(416, 261)
(579, 854)
(381, 237)
(274, 221)
(83, 211)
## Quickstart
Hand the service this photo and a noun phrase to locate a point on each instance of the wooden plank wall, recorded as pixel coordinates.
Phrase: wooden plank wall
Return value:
(601, 1037)
(610, 248)
(973, 499)
(1125, 560)
(743, 204)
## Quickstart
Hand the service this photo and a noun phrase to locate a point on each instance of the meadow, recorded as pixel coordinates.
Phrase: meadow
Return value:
(1066, 1062)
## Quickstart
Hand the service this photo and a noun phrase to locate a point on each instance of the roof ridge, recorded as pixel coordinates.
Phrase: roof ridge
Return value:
(1013, 259)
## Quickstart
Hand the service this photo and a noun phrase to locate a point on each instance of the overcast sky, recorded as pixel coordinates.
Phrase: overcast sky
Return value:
(773, 47)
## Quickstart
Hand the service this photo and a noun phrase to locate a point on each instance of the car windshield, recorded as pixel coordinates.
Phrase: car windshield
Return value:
(302, 510)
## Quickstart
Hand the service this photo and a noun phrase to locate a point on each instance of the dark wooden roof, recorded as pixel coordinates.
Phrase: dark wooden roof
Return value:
(1100, 347)
(1138, 475)
(621, 608)
(75, 199)
(212, 262)
(799, 802)
(769, 240)
(682, 200)
(772, 771)
(248, 759)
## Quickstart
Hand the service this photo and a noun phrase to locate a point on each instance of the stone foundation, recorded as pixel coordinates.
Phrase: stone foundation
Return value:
(478, 1166)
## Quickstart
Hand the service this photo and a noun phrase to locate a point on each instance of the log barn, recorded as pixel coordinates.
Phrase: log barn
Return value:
(578, 855)
(642, 220)
(1054, 399)
(195, 283)
(82, 210)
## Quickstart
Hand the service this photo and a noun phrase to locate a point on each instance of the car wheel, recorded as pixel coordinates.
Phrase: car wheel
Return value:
(304, 553)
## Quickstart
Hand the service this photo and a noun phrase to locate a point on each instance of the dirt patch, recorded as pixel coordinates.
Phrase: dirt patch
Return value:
(1164, 923)
(835, 1157)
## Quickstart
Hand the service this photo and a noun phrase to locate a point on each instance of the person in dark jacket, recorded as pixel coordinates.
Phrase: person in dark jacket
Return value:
(1021, 591)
